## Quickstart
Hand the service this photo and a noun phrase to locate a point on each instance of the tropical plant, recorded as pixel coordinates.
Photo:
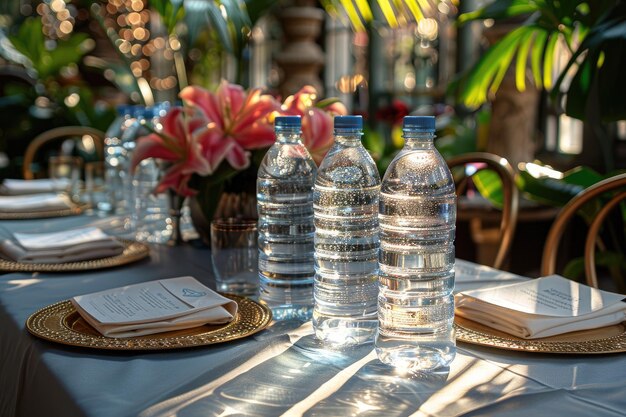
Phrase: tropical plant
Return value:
(591, 86)
(45, 65)
(395, 12)
(50, 91)
(594, 34)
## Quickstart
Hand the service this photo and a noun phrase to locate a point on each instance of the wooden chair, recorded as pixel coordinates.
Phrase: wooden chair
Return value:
(90, 136)
(503, 235)
(617, 185)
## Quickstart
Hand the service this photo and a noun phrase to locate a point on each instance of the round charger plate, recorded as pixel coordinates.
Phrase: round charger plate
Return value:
(133, 251)
(610, 339)
(45, 214)
(61, 323)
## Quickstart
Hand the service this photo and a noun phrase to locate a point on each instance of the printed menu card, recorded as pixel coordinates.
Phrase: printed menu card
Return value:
(542, 307)
(154, 307)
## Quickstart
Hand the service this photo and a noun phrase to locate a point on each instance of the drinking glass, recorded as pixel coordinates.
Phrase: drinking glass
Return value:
(235, 255)
(67, 168)
(94, 183)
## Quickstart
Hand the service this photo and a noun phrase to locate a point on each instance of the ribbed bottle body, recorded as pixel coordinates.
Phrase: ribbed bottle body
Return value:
(346, 243)
(417, 227)
(285, 207)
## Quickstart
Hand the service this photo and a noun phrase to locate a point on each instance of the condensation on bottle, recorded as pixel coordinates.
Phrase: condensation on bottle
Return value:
(346, 239)
(285, 207)
(417, 227)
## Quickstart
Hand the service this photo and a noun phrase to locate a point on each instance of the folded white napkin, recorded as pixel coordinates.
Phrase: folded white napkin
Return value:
(542, 307)
(154, 307)
(34, 203)
(44, 185)
(59, 247)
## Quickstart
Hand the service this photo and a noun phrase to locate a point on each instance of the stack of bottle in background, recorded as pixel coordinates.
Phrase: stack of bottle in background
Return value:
(285, 208)
(115, 160)
(417, 228)
(346, 239)
(131, 193)
(150, 215)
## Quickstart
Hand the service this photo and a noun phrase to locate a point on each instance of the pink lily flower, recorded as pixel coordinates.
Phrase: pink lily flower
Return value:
(317, 123)
(236, 121)
(181, 144)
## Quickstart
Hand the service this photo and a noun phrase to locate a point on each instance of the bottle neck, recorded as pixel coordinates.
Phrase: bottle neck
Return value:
(286, 135)
(418, 140)
(348, 137)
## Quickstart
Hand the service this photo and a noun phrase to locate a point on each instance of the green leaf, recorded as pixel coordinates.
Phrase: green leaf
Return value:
(489, 185)
(575, 269)
(65, 53)
(535, 56)
(583, 176)
(501, 9)
(606, 38)
(374, 142)
(487, 74)
(522, 61)
(171, 12)
(219, 25)
(239, 24)
(546, 190)
(548, 60)
(30, 42)
(123, 77)
(196, 18)
(322, 104)
(457, 143)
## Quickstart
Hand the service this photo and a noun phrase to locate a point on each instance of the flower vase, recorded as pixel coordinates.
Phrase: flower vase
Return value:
(176, 202)
(235, 198)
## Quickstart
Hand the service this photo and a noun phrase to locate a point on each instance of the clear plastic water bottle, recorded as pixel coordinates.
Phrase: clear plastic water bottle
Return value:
(346, 239)
(150, 216)
(134, 130)
(285, 205)
(114, 159)
(417, 227)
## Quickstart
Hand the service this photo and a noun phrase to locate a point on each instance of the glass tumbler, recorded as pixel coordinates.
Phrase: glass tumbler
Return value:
(234, 255)
(68, 169)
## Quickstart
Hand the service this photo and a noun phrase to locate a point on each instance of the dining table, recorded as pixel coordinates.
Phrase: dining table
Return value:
(282, 370)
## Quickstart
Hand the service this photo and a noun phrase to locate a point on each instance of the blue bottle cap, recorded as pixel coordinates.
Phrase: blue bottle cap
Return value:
(137, 110)
(419, 123)
(289, 122)
(123, 109)
(348, 122)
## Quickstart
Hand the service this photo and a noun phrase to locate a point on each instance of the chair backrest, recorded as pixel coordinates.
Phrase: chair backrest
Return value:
(508, 220)
(83, 132)
(551, 248)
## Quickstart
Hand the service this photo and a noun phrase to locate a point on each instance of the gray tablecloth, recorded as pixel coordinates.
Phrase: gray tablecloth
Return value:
(280, 371)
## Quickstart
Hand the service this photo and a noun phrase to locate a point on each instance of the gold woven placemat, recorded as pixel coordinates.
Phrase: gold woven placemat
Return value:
(133, 251)
(610, 339)
(46, 214)
(61, 323)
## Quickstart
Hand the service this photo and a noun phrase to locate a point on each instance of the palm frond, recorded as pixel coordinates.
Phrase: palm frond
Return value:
(395, 12)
